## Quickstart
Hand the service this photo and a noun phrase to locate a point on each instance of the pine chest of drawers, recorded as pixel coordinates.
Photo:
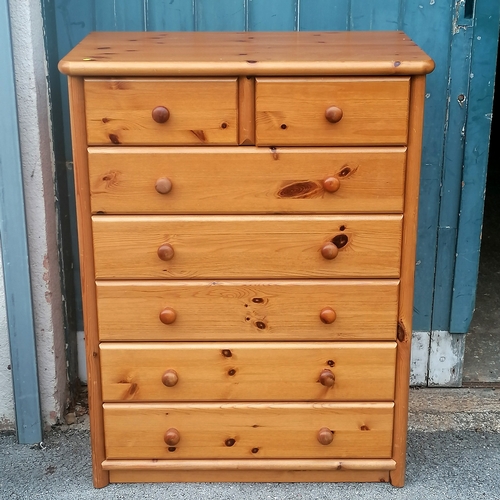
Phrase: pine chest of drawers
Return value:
(247, 222)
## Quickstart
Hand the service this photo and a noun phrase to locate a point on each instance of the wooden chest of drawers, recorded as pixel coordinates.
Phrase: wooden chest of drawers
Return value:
(247, 222)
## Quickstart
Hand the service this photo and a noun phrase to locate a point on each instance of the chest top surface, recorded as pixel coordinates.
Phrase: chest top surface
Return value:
(246, 53)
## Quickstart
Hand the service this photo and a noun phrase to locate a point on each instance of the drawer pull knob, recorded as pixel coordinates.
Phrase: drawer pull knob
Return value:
(331, 184)
(327, 315)
(334, 114)
(327, 378)
(170, 378)
(166, 251)
(164, 185)
(160, 114)
(329, 251)
(325, 436)
(168, 316)
(172, 437)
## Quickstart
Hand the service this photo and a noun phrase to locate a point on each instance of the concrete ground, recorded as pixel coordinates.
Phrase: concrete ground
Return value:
(453, 452)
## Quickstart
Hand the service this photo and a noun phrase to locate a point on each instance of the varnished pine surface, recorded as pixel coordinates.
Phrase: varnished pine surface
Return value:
(85, 246)
(372, 464)
(246, 246)
(273, 54)
(409, 246)
(248, 53)
(246, 180)
(303, 470)
(248, 310)
(291, 111)
(201, 111)
(248, 430)
(285, 371)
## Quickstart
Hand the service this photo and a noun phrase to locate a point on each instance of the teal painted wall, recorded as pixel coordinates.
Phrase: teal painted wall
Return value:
(428, 23)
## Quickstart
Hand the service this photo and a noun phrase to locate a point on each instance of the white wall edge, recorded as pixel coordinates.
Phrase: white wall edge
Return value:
(82, 362)
(446, 359)
(39, 193)
(420, 346)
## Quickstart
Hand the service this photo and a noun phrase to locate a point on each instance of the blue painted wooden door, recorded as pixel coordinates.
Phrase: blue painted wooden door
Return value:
(438, 26)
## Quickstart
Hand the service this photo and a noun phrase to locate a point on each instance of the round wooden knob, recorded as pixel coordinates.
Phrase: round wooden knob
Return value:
(166, 251)
(172, 437)
(331, 184)
(329, 251)
(170, 378)
(327, 378)
(160, 114)
(334, 114)
(325, 436)
(168, 316)
(327, 315)
(164, 185)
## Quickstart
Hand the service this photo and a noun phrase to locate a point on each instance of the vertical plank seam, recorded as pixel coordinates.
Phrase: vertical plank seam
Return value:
(195, 15)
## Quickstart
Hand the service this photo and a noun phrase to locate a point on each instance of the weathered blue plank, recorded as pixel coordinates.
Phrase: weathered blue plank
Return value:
(369, 15)
(74, 20)
(276, 15)
(65, 202)
(118, 15)
(223, 15)
(14, 250)
(429, 25)
(324, 15)
(174, 15)
(477, 132)
(461, 46)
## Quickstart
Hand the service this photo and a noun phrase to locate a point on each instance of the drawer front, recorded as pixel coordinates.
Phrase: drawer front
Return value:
(243, 430)
(246, 180)
(247, 246)
(363, 111)
(132, 111)
(248, 310)
(291, 371)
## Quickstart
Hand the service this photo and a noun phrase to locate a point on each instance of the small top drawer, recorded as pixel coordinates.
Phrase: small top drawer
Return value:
(153, 111)
(331, 111)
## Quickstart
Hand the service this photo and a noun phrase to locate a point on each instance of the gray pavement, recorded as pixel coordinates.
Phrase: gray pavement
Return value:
(453, 453)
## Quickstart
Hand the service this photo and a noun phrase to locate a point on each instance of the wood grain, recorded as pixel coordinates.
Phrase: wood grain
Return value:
(82, 191)
(323, 470)
(237, 310)
(226, 53)
(291, 111)
(246, 246)
(417, 99)
(202, 111)
(259, 430)
(246, 180)
(246, 476)
(286, 371)
(262, 464)
(246, 110)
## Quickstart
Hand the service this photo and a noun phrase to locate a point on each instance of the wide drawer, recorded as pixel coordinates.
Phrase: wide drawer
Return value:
(363, 111)
(246, 180)
(286, 371)
(244, 247)
(153, 111)
(244, 430)
(248, 310)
